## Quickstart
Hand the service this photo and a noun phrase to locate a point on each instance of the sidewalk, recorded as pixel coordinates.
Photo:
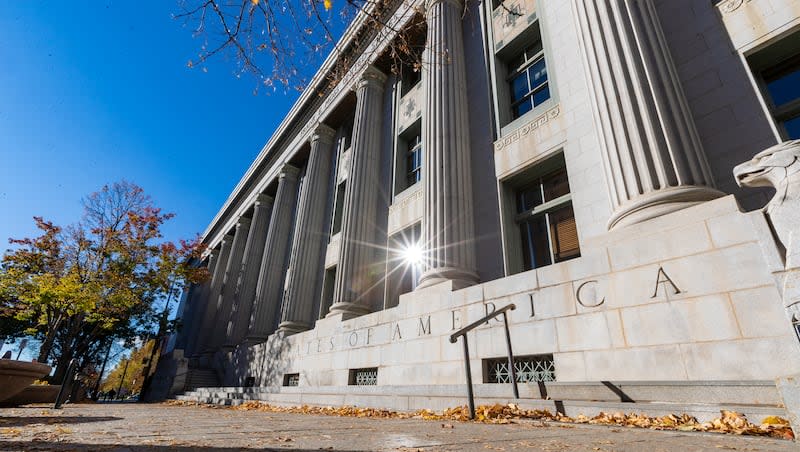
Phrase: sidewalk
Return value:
(142, 427)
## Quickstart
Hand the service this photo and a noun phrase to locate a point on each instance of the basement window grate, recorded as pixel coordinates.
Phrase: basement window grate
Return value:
(530, 369)
(291, 379)
(364, 377)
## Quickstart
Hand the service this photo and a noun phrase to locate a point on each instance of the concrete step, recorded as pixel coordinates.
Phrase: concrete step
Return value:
(572, 408)
(703, 392)
(201, 378)
(703, 400)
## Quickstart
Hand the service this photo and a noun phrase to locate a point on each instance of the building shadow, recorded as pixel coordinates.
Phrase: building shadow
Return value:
(65, 446)
(21, 421)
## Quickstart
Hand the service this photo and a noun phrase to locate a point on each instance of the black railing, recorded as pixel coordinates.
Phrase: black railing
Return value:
(463, 333)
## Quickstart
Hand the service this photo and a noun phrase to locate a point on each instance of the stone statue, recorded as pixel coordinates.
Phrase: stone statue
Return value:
(779, 167)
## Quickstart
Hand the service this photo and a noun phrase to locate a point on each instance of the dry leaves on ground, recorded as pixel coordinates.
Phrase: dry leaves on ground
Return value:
(728, 422)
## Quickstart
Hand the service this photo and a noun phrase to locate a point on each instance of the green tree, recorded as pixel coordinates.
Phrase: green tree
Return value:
(98, 280)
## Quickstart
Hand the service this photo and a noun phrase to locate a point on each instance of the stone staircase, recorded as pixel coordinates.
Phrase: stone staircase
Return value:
(703, 400)
(200, 378)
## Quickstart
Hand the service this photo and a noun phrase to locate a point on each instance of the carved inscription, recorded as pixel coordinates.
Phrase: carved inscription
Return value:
(662, 279)
(587, 295)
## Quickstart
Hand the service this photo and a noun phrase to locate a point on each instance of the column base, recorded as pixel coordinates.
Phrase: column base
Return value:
(460, 278)
(660, 202)
(348, 310)
(290, 327)
(254, 340)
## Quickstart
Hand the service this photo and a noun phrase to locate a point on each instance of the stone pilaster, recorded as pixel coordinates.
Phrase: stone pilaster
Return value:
(356, 270)
(654, 161)
(187, 308)
(228, 291)
(310, 237)
(200, 302)
(269, 290)
(210, 312)
(251, 266)
(448, 229)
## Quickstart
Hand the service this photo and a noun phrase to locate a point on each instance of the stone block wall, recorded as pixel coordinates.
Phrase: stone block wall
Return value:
(688, 296)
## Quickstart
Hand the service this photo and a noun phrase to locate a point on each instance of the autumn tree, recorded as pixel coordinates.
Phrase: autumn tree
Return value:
(98, 280)
(128, 371)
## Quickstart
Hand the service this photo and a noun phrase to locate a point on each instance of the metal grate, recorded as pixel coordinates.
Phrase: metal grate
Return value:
(533, 369)
(291, 380)
(364, 377)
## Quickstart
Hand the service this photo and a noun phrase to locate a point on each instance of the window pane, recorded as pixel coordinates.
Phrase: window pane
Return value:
(542, 95)
(535, 250)
(564, 234)
(534, 49)
(538, 73)
(529, 198)
(522, 108)
(786, 87)
(555, 184)
(519, 87)
(793, 128)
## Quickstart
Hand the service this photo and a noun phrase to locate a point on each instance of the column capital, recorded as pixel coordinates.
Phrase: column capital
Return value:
(227, 238)
(262, 200)
(242, 221)
(429, 4)
(323, 133)
(289, 172)
(371, 76)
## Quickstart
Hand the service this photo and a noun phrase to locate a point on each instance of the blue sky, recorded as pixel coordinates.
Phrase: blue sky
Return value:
(97, 91)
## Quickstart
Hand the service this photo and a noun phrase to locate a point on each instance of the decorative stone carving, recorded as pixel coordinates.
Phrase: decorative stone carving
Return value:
(729, 6)
(779, 167)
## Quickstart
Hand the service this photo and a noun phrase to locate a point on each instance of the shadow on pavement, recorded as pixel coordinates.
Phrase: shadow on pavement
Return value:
(20, 421)
(63, 446)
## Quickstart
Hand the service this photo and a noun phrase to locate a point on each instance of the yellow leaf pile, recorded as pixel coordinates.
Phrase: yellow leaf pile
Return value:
(729, 422)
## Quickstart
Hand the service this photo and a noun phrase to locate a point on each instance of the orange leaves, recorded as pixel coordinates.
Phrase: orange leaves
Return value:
(729, 422)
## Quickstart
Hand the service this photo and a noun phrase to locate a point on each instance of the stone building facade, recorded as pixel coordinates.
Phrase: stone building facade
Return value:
(572, 157)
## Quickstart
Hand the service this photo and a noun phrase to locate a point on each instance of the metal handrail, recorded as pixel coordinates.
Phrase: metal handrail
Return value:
(463, 332)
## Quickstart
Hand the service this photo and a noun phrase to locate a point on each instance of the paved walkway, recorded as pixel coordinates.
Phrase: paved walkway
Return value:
(140, 427)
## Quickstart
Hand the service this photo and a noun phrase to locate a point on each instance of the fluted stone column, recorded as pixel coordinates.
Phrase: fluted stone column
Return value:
(232, 271)
(251, 266)
(356, 269)
(310, 237)
(204, 335)
(269, 291)
(655, 163)
(201, 306)
(448, 229)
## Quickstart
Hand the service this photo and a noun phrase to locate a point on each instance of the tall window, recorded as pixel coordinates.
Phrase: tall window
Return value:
(546, 220)
(782, 83)
(414, 160)
(528, 79)
(338, 209)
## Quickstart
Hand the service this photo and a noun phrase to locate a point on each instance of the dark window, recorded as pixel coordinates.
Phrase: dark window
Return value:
(336, 226)
(291, 379)
(783, 87)
(528, 80)
(546, 220)
(414, 160)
